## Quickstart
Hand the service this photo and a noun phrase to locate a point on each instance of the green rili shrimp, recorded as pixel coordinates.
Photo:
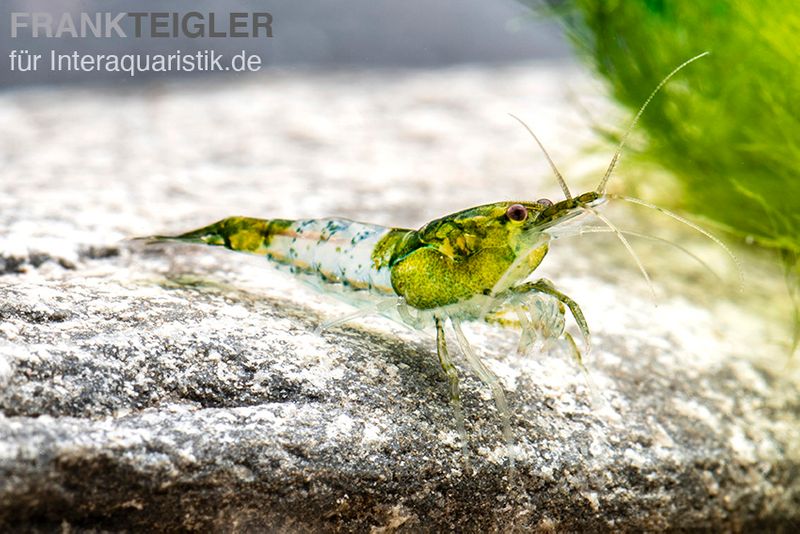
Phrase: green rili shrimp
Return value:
(468, 266)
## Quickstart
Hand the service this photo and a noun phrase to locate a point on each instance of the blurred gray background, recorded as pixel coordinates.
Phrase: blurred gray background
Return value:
(308, 33)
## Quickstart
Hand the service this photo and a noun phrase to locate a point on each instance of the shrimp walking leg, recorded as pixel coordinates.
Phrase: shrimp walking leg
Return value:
(490, 379)
(598, 400)
(344, 319)
(363, 312)
(546, 286)
(452, 378)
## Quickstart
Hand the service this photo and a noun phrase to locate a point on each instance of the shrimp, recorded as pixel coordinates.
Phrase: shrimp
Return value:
(469, 266)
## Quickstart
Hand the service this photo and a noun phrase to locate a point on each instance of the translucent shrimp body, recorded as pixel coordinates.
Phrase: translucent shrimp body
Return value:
(334, 251)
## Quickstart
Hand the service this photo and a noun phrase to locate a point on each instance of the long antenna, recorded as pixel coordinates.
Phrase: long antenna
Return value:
(560, 178)
(601, 188)
(690, 224)
(627, 246)
(695, 257)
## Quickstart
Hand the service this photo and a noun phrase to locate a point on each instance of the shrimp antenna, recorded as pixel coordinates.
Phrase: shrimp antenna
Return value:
(695, 257)
(690, 224)
(560, 178)
(627, 246)
(601, 188)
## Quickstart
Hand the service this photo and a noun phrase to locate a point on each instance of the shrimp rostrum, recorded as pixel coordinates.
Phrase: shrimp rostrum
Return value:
(474, 265)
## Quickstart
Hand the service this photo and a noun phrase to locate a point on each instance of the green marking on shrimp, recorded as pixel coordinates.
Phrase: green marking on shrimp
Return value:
(468, 266)
(244, 234)
(393, 246)
(466, 254)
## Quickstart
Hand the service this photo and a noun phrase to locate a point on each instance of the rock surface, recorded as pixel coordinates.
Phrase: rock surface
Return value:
(184, 388)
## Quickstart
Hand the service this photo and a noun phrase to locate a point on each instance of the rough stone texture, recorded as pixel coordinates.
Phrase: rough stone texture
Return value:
(184, 388)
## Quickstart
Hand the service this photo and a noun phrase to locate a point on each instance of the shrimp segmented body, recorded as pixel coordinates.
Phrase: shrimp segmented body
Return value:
(473, 265)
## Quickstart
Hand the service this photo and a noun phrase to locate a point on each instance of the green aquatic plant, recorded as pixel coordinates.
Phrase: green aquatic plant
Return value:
(728, 129)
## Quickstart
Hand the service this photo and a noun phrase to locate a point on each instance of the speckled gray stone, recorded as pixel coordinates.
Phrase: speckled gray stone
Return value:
(176, 387)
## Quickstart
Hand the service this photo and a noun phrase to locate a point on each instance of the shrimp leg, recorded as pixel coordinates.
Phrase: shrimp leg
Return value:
(344, 319)
(452, 377)
(545, 286)
(363, 312)
(490, 379)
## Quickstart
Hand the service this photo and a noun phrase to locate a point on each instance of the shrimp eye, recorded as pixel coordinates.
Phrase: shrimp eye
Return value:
(517, 212)
(546, 202)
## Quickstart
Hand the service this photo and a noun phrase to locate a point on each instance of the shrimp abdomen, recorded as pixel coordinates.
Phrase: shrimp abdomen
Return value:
(335, 251)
